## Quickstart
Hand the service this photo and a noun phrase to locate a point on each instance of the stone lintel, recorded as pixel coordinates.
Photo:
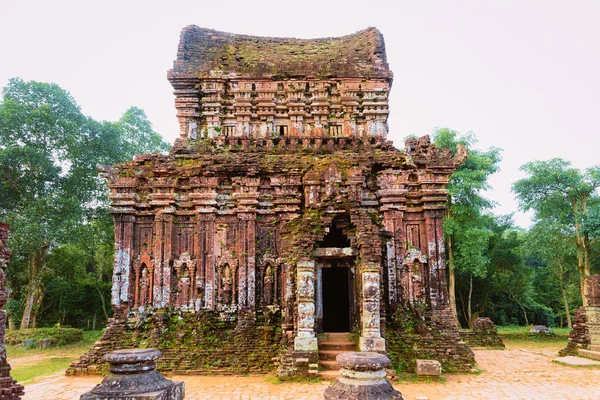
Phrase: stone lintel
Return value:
(335, 252)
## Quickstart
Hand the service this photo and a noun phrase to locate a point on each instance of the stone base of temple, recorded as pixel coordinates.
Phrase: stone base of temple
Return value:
(192, 343)
(298, 365)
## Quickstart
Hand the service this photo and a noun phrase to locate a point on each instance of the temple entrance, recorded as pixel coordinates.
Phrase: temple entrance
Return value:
(337, 304)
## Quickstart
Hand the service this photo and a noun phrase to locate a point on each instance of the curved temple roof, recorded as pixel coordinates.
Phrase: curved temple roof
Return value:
(208, 53)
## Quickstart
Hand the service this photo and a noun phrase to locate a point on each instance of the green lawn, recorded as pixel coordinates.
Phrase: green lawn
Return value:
(518, 337)
(28, 364)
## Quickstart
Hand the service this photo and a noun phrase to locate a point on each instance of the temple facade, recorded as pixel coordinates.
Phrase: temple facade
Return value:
(282, 203)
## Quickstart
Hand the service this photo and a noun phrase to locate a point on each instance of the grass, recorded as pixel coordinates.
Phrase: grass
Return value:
(28, 364)
(513, 332)
(46, 367)
(276, 381)
(518, 337)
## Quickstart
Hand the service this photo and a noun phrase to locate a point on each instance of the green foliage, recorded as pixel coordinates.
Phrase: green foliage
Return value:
(566, 209)
(466, 222)
(54, 200)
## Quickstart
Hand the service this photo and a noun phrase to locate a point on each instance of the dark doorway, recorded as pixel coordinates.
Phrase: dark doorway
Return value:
(336, 299)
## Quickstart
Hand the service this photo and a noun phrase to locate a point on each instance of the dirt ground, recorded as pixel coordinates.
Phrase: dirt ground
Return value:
(515, 373)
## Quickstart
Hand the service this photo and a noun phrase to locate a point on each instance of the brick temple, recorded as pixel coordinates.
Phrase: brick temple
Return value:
(282, 212)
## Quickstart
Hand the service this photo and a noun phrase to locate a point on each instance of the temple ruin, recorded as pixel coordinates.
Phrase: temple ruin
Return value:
(9, 388)
(281, 212)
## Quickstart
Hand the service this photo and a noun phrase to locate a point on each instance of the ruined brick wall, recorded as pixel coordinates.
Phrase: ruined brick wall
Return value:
(421, 333)
(586, 322)
(579, 338)
(9, 389)
(484, 333)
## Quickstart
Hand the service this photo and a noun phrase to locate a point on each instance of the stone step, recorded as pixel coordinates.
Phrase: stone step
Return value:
(337, 345)
(329, 365)
(329, 375)
(594, 347)
(337, 336)
(594, 355)
(328, 355)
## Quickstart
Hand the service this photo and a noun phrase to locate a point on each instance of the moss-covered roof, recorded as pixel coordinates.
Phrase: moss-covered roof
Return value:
(205, 52)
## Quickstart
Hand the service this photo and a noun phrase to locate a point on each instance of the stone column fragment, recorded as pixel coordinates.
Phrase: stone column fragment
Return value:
(133, 375)
(362, 377)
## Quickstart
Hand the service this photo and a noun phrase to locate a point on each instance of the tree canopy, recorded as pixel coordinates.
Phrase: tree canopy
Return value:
(466, 221)
(49, 187)
(566, 198)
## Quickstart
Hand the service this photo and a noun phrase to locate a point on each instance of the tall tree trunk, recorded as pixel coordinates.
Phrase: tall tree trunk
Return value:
(522, 308)
(34, 289)
(567, 311)
(564, 293)
(452, 280)
(582, 252)
(469, 309)
(103, 301)
(29, 302)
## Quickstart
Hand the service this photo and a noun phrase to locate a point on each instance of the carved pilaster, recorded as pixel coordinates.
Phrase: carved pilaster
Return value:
(370, 337)
(305, 286)
(438, 288)
(120, 294)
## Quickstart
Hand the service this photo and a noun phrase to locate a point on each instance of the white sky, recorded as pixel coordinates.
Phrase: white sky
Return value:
(522, 75)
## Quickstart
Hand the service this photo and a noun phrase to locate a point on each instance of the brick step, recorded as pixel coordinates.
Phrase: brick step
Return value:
(337, 345)
(329, 365)
(594, 355)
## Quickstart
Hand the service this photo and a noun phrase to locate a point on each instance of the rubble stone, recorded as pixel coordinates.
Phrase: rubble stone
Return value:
(430, 368)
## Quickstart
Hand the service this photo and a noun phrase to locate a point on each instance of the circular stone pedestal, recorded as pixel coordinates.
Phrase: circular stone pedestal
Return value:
(363, 377)
(133, 375)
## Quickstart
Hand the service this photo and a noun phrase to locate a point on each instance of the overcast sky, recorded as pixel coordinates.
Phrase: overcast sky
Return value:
(522, 75)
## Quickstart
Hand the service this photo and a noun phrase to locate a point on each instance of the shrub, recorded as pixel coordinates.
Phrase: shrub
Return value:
(58, 336)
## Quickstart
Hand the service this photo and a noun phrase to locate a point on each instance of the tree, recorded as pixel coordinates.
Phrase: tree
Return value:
(556, 191)
(465, 223)
(49, 186)
(550, 241)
